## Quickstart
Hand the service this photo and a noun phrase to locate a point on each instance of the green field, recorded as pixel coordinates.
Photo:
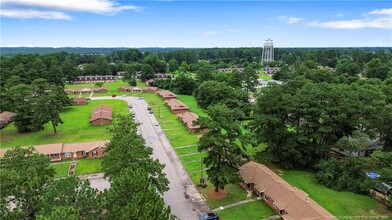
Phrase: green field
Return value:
(249, 211)
(61, 168)
(87, 166)
(263, 76)
(235, 193)
(190, 101)
(341, 204)
(76, 127)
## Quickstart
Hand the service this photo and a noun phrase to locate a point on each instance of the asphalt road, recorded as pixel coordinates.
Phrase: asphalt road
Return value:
(183, 198)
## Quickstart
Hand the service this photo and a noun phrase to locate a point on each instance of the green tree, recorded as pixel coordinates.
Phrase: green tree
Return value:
(68, 69)
(22, 104)
(147, 72)
(74, 195)
(132, 196)
(183, 84)
(184, 67)
(24, 176)
(99, 84)
(358, 141)
(250, 79)
(47, 109)
(173, 65)
(224, 145)
(55, 75)
(130, 74)
(127, 149)
(347, 66)
(102, 66)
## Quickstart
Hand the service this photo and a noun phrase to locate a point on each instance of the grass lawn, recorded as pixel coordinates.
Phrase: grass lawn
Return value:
(87, 166)
(61, 168)
(235, 193)
(263, 76)
(76, 127)
(112, 87)
(249, 211)
(190, 101)
(340, 204)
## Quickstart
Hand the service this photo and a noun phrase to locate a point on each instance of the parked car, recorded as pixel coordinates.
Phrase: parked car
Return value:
(156, 123)
(124, 95)
(209, 216)
(148, 108)
(130, 106)
(132, 113)
(150, 112)
(114, 95)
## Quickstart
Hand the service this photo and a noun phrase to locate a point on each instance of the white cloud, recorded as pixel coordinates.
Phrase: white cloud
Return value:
(294, 20)
(55, 9)
(384, 11)
(380, 18)
(209, 33)
(28, 14)
(289, 20)
(339, 14)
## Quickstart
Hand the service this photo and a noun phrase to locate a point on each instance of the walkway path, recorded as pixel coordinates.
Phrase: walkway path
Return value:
(235, 204)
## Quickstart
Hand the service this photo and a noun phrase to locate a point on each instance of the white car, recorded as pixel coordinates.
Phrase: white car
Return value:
(124, 95)
(156, 123)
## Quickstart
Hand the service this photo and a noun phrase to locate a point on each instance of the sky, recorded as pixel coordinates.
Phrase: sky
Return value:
(115, 23)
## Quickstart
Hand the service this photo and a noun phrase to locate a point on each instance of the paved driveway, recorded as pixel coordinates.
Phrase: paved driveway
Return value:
(184, 199)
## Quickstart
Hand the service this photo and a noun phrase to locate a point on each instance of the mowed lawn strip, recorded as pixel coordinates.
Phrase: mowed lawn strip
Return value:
(61, 168)
(340, 204)
(190, 101)
(76, 127)
(235, 193)
(250, 211)
(87, 166)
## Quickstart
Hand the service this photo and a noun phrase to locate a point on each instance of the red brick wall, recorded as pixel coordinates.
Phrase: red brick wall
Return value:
(101, 121)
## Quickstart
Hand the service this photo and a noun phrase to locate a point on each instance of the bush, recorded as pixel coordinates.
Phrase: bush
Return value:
(348, 174)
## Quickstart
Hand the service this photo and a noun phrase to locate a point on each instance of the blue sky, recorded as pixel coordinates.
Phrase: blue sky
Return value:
(109, 23)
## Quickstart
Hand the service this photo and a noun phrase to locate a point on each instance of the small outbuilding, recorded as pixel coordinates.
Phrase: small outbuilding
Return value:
(79, 101)
(6, 118)
(101, 115)
(176, 106)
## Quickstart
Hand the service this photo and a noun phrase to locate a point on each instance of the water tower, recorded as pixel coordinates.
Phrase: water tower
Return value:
(268, 51)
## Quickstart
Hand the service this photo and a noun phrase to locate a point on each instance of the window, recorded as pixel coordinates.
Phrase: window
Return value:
(266, 197)
(94, 153)
(84, 153)
(68, 154)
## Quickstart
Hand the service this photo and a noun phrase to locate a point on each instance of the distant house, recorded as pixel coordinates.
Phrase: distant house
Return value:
(86, 90)
(101, 115)
(188, 118)
(332, 69)
(79, 101)
(137, 89)
(370, 148)
(270, 70)
(93, 79)
(287, 201)
(166, 94)
(229, 70)
(61, 151)
(176, 106)
(6, 118)
(264, 83)
(162, 75)
(120, 73)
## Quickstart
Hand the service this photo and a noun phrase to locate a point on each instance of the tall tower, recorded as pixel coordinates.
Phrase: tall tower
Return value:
(268, 51)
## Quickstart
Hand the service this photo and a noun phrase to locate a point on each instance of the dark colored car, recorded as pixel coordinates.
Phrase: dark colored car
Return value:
(148, 108)
(209, 216)
(150, 112)
(114, 95)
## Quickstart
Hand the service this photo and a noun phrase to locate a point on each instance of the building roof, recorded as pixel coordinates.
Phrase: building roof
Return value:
(295, 202)
(166, 94)
(58, 148)
(188, 118)
(101, 112)
(83, 146)
(86, 89)
(6, 116)
(79, 100)
(175, 104)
